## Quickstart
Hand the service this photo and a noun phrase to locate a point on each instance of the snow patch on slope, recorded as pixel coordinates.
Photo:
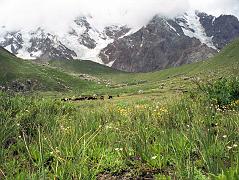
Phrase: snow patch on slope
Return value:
(9, 48)
(110, 64)
(23, 52)
(172, 28)
(71, 40)
(193, 28)
(131, 31)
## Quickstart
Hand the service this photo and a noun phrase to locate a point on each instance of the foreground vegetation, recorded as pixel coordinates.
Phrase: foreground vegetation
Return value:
(192, 138)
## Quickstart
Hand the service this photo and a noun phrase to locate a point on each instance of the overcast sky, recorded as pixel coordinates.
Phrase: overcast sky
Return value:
(58, 14)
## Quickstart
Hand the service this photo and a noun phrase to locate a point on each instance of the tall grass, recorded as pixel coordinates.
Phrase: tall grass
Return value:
(186, 139)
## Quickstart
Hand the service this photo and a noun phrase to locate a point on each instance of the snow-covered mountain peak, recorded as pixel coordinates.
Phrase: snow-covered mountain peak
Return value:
(114, 44)
(82, 40)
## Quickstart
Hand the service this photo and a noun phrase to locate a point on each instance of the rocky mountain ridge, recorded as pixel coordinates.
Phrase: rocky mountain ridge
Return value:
(81, 41)
(160, 44)
(165, 43)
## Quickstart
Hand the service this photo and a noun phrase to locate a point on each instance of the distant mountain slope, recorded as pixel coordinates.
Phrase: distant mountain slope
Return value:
(165, 43)
(222, 30)
(225, 63)
(81, 41)
(160, 44)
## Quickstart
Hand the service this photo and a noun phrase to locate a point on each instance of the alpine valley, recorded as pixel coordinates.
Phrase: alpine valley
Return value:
(118, 102)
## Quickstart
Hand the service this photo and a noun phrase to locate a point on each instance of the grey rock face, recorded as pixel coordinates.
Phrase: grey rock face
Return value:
(159, 45)
(42, 45)
(81, 40)
(21, 86)
(87, 41)
(116, 32)
(13, 39)
(85, 38)
(49, 47)
(223, 29)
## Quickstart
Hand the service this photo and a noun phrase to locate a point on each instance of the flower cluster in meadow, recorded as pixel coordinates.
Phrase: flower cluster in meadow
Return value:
(159, 111)
(235, 104)
(153, 110)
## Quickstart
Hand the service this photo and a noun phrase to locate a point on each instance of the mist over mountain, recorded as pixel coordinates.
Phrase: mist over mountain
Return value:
(57, 15)
(135, 36)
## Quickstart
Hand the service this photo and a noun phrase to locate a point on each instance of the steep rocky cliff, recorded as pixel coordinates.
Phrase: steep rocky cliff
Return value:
(159, 45)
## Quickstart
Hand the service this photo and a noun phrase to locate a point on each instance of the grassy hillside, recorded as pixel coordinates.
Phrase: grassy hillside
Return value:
(84, 66)
(46, 78)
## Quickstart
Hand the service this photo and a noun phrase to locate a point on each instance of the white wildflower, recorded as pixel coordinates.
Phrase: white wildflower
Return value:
(154, 157)
(118, 149)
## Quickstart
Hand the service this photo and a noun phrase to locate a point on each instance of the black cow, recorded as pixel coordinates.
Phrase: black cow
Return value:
(91, 98)
(79, 99)
(66, 99)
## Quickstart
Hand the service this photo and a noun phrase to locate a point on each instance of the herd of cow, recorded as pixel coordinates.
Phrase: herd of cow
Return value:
(86, 98)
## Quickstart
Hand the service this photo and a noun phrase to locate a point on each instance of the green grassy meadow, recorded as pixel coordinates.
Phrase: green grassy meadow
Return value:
(178, 123)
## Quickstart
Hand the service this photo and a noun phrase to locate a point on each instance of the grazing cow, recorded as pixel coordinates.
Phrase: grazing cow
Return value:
(91, 98)
(110, 97)
(66, 99)
(83, 98)
(79, 99)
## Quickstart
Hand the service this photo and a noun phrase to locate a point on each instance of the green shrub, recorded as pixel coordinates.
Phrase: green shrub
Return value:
(223, 92)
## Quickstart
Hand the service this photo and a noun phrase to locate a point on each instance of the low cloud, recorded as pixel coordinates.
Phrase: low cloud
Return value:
(57, 15)
(216, 7)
